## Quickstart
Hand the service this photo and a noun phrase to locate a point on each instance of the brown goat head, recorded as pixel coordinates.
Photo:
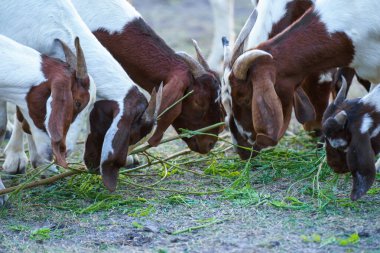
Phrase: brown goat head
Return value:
(106, 156)
(199, 110)
(65, 94)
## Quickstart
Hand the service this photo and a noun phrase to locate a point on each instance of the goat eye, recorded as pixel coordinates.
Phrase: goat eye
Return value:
(78, 104)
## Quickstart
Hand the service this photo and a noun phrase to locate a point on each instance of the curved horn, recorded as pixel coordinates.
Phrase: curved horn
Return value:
(341, 118)
(342, 93)
(227, 52)
(243, 63)
(196, 68)
(71, 59)
(200, 56)
(81, 64)
(243, 35)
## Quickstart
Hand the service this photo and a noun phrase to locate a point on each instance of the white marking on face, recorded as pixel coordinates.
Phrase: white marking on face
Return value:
(366, 123)
(246, 135)
(325, 77)
(375, 132)
(226, 92)
(107, 148)
(337, 143)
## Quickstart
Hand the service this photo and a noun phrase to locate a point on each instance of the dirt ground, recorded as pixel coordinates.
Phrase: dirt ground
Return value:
(284, 201)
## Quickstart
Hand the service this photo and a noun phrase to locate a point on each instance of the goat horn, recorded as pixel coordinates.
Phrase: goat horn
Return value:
(196, 68)
(227, 52)
(243, 63)
(81, 65)
(200, 56)
(243, 35)
(71, 59)
(342, 93)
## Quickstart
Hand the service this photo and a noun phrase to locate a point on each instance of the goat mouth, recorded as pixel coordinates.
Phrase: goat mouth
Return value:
(202, 146)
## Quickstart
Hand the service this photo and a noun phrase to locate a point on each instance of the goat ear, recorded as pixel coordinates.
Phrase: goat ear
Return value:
(303, 108)
(60, 115)
(267, 114)
(361, 161)
(173, 91)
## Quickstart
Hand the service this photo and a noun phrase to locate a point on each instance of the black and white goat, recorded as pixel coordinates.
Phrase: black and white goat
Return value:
(352, 130)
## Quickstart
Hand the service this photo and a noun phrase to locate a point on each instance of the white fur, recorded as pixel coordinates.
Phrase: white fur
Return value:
(375, 132)
(107, 149)
(269, 13)
(366, 123)
(245, 134)
(360, 20)
(325, 77)
(377, 165)
(15, 21)
(15, 157)
(111, 15)
(372, 98)
(337, 143)
(3, 198)
(37, 23)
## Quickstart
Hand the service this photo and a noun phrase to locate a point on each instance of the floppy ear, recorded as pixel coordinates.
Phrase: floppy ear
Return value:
(173, 91)
(59, 112)
(303, 108)
(361, 161)
(267, 113)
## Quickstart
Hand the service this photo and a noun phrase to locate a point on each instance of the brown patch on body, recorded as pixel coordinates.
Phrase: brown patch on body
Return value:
(148, 60)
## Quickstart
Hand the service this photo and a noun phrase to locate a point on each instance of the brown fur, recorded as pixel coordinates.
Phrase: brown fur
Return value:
(101, 119)
(148, 60)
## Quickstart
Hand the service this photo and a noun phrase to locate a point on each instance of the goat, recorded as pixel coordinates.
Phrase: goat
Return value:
(325, 37)
(49, 93)
(352, 131)
(121, 117)
(270, 18)
(149, 61)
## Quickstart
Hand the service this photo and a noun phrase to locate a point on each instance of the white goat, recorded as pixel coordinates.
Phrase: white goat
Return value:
(37, 23)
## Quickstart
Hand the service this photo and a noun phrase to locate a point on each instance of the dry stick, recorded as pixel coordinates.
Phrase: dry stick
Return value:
(41, 182)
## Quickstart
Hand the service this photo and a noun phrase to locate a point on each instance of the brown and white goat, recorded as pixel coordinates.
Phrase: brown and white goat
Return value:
(269, 19)
(48, 92)
(122, 111)
(352, 131)
(148, 60)
(325, 37)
